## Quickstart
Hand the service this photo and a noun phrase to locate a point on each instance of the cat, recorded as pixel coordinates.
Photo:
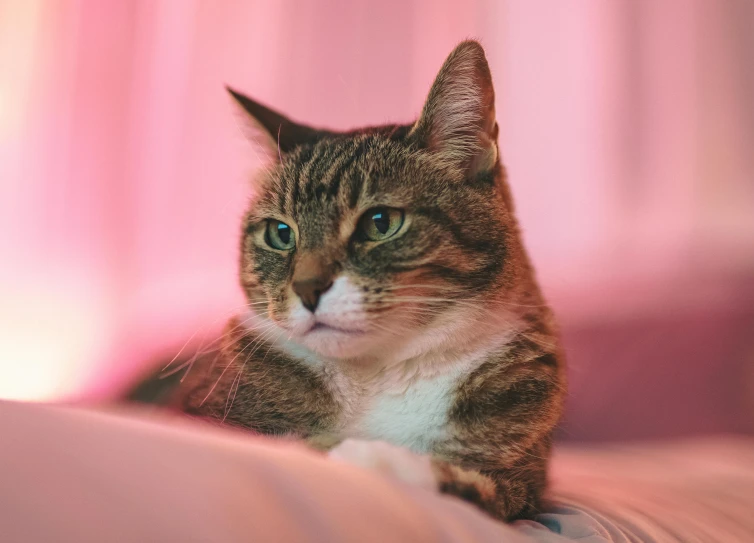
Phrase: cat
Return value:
(393, 317)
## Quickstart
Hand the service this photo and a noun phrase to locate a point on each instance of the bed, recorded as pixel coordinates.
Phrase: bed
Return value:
(73, 474)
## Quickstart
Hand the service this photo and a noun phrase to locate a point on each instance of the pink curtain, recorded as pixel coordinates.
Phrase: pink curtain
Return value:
(627, 128)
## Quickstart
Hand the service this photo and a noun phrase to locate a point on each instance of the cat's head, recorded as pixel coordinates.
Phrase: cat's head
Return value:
(355, 242)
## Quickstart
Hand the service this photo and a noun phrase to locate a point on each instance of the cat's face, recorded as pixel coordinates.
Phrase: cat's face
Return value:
(358, 242)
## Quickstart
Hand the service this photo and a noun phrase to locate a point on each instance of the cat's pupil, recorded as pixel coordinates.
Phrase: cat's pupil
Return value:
(284, 233)
(381, 221)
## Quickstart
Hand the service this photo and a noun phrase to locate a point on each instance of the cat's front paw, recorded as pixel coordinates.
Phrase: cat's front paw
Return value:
(395, 462)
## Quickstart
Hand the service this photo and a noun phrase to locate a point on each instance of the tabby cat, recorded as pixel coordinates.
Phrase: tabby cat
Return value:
(393, 317)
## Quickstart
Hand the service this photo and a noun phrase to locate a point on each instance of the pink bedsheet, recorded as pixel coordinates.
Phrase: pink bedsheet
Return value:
(80, 475)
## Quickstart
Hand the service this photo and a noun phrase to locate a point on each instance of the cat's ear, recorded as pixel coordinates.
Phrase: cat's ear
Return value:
(458, 120)
(273, 132)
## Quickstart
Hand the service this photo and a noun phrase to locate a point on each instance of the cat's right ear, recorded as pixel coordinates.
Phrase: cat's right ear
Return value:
(273, 132)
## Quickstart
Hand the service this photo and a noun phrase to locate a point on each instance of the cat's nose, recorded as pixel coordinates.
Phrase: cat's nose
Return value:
(311, 279)
(310, 290)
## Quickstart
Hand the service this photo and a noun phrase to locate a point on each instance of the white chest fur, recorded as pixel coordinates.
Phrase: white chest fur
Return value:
(414, 417)
(409, 404)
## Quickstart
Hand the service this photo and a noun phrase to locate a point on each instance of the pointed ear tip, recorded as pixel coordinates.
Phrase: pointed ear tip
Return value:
(471, 47)
(239, 98)
(469, 53)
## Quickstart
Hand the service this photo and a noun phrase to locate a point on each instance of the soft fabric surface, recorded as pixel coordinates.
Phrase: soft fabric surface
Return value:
(77, 475)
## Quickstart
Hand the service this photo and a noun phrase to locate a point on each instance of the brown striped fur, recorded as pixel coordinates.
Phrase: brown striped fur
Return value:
(456, 276)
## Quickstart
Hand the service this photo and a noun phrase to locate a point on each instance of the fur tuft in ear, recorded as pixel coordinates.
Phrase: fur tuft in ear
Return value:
(458, 118)
(275, 133)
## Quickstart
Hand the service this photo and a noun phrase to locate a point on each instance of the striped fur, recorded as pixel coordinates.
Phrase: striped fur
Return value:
(436, 340)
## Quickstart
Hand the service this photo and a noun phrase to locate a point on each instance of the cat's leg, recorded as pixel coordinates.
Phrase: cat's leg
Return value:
(249, 384)
(505, 493)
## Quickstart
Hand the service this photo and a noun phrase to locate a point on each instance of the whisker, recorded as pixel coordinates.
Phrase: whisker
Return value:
(226, 369)
(201, 351)
(452, 289)
(224, 315)
(237, 380)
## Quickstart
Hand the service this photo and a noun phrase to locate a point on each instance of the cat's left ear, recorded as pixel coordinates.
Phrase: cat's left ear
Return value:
(458, 119)
(272, 131)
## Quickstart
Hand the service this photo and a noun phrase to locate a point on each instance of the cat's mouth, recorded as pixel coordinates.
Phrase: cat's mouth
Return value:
(323, 327)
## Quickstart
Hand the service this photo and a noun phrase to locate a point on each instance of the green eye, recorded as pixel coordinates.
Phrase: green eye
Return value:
(279, 235)
(380, 223)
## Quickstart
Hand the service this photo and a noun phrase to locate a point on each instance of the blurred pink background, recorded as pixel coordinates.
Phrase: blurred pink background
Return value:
(627, 129)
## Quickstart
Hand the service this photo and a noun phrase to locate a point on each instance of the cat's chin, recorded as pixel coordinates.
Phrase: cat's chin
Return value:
(336, 343)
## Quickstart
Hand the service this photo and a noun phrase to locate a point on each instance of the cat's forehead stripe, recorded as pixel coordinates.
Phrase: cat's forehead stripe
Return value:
(321, 176)
(299, 170)
(346, 162)
(307, 172)
(323, 172)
